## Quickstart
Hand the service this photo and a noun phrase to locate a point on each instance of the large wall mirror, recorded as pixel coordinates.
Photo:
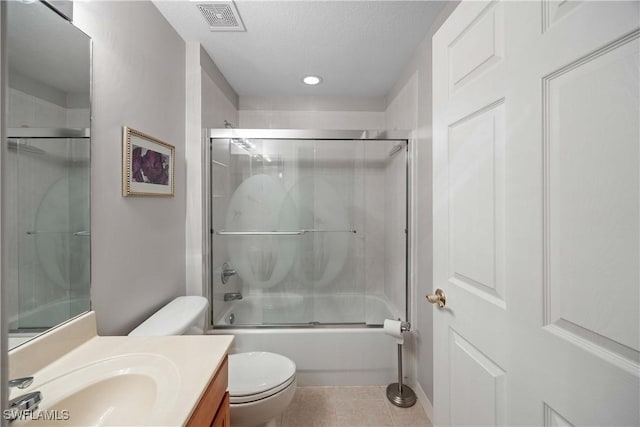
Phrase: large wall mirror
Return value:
(46, 170)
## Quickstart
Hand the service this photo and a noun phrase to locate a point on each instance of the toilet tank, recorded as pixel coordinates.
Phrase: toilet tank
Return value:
(182, 316)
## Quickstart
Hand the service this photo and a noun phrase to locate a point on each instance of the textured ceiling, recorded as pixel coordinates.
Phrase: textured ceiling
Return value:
(358, 47)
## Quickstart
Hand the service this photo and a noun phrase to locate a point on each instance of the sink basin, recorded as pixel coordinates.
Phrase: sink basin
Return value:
(131, 389)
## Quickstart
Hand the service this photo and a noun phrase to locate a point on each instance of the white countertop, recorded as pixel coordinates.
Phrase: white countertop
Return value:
(188, 363)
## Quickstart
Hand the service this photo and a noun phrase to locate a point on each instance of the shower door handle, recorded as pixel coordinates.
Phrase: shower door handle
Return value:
(439, 297)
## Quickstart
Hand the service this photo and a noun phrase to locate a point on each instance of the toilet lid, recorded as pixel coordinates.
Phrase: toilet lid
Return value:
(257, 372)
(174, 318)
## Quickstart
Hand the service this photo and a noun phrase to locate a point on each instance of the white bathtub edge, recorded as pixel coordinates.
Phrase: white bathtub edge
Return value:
(326, 356)
(285, 330)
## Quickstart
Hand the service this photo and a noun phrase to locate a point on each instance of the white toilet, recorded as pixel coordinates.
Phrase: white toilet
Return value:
(261, 384)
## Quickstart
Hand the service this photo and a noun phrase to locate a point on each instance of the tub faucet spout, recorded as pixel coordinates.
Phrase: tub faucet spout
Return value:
(232, 296)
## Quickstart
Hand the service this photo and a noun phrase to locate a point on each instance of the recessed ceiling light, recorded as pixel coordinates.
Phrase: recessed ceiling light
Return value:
(312, 80)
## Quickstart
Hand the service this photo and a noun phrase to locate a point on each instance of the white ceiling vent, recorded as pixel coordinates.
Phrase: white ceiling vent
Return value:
(221, 16)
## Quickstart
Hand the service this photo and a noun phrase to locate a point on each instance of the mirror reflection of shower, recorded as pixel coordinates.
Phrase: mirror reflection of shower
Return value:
(49, 243)
(314, 230)
(46, 170)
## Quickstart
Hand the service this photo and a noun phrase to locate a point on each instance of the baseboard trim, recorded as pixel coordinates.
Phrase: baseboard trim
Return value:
(424, 401)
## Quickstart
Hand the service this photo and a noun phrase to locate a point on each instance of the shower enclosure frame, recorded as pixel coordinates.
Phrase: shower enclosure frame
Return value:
(54, 133)
(298, 134)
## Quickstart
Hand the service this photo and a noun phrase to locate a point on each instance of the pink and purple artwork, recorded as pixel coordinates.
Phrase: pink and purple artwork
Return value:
(149, 166)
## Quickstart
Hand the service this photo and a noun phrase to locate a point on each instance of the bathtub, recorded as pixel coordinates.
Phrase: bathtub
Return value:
(324, 355)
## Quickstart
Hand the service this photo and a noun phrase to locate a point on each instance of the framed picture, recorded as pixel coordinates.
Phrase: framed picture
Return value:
(148, 165)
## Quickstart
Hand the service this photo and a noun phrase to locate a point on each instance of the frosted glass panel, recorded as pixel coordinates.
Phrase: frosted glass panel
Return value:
(48, 260)
(299, 231)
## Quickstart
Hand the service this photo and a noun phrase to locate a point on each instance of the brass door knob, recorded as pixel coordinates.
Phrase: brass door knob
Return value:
(440, 297)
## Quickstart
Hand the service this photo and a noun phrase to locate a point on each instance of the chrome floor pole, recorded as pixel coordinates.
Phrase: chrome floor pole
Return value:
(397, 393)
(400, 368)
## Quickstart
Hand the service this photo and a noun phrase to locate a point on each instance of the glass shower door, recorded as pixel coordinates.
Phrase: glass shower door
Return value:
(299, 231)
(329, 196)
(50, 258)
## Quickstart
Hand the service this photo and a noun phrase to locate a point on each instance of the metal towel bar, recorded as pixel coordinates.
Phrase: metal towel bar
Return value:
(77, 233)
(278, 233)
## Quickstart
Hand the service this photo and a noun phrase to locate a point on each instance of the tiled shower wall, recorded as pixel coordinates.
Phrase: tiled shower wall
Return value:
(26, 110)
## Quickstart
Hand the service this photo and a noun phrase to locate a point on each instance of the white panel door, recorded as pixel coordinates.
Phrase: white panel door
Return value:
(537, 214)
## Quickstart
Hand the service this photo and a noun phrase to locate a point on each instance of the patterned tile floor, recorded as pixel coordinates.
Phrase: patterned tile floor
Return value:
(349, 407)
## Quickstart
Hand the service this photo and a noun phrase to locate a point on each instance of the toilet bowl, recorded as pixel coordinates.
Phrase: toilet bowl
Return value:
(261, 384)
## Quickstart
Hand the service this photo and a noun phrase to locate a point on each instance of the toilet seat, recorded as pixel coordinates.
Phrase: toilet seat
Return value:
(235, 400)
(258, 375)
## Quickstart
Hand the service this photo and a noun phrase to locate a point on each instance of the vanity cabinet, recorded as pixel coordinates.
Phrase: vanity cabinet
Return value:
(213, 408)
(222, 417)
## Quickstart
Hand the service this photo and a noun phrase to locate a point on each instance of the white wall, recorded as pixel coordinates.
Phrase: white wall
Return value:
(138, 244)
(210, 101)
(402, 113)
(410, 107)
(311, 119)
(35, 104)
(29, 111)
(194, 262)
(308, 112)
(216, 108)
(26, 110)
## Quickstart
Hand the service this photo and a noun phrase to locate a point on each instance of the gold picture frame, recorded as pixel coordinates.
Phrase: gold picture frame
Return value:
(148, 165)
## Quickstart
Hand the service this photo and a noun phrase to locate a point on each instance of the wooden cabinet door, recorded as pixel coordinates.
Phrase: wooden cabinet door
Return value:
(222, 417)
(214, 399)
